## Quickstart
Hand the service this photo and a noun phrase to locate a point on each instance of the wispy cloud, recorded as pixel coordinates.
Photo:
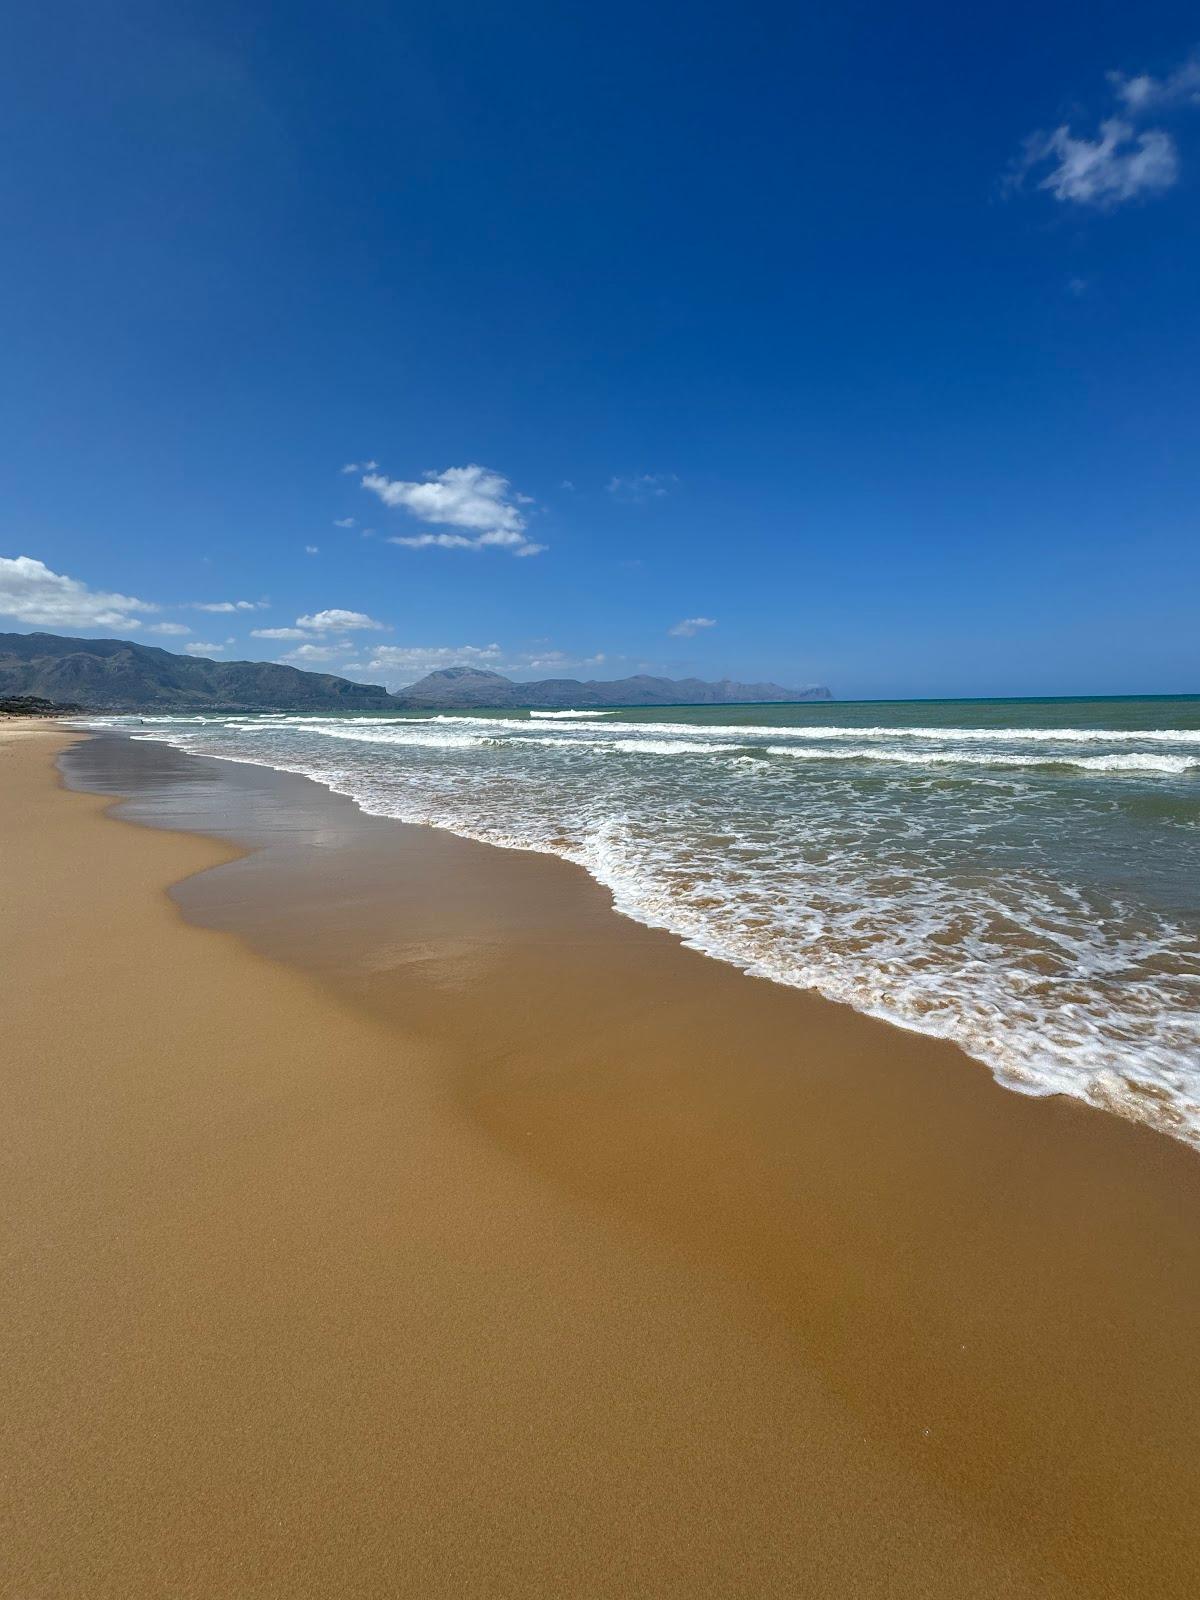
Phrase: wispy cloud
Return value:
(32, 593)
(312, 550)
(226, 606)
(642, 487)
(1123, 160)
(278, 633)
(691, 626)
(1145, 93)
(198, 647)
(1121, 164)
(481, 504)
(314, 654)
(344, 522)
(554, 661)
(338, 621)
(359, 466)
(176, 628)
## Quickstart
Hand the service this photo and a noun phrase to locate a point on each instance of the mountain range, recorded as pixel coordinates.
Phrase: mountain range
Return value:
(118, 675)
(457, 687)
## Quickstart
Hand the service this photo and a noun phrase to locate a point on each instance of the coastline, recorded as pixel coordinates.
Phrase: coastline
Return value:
(491, 1243)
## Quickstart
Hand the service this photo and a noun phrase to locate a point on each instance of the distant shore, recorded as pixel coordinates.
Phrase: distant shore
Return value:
(399, 1220)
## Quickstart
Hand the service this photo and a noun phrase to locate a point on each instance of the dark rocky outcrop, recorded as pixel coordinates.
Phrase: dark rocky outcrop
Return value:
(33, 705)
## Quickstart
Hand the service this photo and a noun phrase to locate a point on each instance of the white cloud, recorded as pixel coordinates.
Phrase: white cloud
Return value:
(471, 498)
(31, 592)
(313, 653)
(642, 487)
(1122, 164)
(321, 623)
(690, 626)
(515, 542)
(344, 522)
(328, 621)
(198, 647)
(1123, 161)
(1145, 93)
(229, 605)
(360, 466)
(168, 627)
(312, 549)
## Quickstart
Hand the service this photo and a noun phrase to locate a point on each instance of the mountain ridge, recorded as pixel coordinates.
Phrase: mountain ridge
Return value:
(469, 687)
(121, 675)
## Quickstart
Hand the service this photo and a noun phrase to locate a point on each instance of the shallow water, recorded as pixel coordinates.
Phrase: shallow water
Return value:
(1022, 877)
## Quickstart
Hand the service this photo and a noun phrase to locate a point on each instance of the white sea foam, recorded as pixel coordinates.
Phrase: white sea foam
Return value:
(996, 758)
(815, 733)
(455, 733)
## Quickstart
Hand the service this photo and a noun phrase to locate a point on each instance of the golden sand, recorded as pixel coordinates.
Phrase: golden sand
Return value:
(492, 1245)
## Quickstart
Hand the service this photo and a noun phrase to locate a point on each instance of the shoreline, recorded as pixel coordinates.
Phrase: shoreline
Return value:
(1056, 987)
(784, 1296)
(1152, 1116)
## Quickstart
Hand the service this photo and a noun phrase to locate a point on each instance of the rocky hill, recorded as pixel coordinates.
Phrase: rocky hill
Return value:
(459, 688)
(117, 675)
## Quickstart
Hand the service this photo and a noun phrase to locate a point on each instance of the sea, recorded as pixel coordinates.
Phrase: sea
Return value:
(1019, 876)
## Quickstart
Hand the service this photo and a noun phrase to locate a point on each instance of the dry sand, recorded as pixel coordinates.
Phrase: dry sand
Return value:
(491, 1245)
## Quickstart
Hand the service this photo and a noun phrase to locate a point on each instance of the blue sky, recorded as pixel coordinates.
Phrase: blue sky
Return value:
(861, 340)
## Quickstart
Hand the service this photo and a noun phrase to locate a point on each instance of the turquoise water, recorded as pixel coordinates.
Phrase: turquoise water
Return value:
(1021, 876)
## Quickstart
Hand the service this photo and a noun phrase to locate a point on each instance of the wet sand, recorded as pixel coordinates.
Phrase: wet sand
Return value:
(398, 1220)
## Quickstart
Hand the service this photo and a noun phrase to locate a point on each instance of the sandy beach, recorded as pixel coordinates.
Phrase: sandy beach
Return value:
(386, 1216)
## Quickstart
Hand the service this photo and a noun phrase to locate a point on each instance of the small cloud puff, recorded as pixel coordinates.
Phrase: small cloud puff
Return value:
(642, 487)
(337, 620)
(691, 626)
(1121, 164)
(1145, 93)
(1123, 161)
(481, 504)
(320, 623)
(313, 653)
